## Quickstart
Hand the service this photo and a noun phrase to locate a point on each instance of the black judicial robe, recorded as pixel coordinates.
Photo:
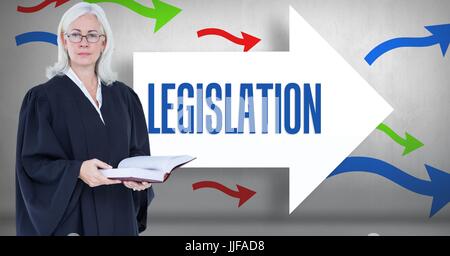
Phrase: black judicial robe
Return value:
(59, 128)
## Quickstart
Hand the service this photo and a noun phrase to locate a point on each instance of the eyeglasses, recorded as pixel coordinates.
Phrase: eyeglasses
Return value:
(78, 37)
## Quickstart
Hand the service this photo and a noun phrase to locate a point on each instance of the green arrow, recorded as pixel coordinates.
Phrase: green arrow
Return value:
(410, 143)
(161, 11)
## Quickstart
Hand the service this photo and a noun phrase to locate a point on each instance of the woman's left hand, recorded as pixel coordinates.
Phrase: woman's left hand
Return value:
(137, 186)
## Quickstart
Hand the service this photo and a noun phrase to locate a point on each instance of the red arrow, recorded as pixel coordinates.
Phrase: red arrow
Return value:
(248, 41)
(40, 6)
(243, 193)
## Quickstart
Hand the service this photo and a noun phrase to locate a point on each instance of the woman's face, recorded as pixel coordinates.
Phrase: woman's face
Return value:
(84, 53)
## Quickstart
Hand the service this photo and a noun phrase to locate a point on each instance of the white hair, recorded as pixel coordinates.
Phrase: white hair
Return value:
(103, 65)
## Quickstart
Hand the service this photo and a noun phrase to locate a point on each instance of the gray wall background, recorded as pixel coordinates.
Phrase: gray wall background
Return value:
(415, 81)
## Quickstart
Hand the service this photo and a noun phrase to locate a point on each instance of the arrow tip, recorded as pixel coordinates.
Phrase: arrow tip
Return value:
(249, 41)
(411, 144)
(163, 13)
(440, 188)
(442, 35)
(244, 194)
(436, 205)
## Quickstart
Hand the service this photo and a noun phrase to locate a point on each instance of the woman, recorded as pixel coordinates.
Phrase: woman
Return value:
(80, 121)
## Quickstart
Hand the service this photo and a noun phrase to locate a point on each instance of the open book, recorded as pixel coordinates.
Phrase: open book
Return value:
(146, 168)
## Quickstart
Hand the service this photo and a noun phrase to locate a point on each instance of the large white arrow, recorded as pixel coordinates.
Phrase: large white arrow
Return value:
(350, 108)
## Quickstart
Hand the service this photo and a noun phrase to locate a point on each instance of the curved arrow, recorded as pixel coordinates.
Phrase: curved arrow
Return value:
(440, 35)
(410, 143)
(161, 11)
(248, 41)
(40, 6)
(243, 193)
(437, 187)
(36, 36)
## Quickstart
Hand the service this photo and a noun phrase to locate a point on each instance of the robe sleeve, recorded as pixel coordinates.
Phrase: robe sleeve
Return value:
(45, 177)
(139, 146)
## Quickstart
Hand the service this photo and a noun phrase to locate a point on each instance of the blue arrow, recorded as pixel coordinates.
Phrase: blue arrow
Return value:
(440, 35)
(437, 187)
(36, 36)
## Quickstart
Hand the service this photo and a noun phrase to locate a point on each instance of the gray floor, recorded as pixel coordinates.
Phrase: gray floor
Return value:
(216, 227)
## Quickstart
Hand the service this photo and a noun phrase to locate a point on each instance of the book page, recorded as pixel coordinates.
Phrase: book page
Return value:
(163, 163)
(137, 174)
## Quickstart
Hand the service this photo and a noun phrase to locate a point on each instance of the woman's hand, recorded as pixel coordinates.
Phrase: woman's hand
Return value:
(137, 185)
(90, 174)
